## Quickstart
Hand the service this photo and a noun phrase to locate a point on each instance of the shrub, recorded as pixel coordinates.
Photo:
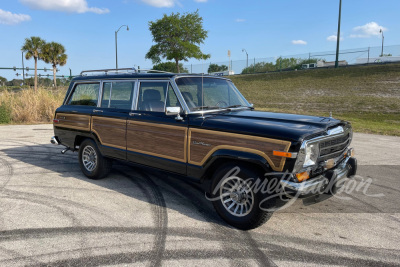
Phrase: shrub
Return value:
(5, 114)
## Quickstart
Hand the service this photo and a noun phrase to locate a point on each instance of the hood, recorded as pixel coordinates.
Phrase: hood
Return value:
(282, 126)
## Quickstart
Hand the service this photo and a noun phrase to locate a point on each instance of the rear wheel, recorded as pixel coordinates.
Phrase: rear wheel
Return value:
(92, 163)
(235, 199)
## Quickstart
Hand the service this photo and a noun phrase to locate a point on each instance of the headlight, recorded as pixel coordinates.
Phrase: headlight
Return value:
(312, 153)
(307, 156)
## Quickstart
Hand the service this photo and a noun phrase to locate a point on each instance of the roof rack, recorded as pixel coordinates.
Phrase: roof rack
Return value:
(123, 71)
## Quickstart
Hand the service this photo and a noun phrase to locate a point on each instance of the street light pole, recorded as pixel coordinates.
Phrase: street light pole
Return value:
(116, 44)
(383, 39)
(247, 60)
(338, 35)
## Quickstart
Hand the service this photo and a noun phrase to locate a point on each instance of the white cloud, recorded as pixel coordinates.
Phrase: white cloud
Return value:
(70, 6)
(200, 1)
(6, 17)
(240, 20)
(299, 42)
(368, 30)
(333, 38)
(161, 3)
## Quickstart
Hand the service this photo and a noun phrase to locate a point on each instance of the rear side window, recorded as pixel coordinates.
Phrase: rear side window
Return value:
(85, 94)
(117, 95)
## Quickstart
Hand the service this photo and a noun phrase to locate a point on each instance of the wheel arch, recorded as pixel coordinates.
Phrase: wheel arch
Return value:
(223, 157)
(82, 136)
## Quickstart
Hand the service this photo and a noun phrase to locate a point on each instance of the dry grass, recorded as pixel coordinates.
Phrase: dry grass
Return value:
(28, 106)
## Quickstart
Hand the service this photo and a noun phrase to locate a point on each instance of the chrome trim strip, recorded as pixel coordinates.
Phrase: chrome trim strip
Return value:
(99, 98)
(135, 95)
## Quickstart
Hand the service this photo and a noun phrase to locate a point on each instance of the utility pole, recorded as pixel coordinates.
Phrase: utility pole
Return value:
(23, 71)
(338, 35)
(383, 39)
(229, 62)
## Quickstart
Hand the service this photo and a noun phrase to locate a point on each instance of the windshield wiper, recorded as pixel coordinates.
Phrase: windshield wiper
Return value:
(205, 107)
(238, 106)
(234, 106)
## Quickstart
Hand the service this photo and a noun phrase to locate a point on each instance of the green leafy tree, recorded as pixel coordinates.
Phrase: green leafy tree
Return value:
(54, 54)
(170, 67)
(33, 48)
(216, 68)
(15, 82)
(177, 37)
(3, 81)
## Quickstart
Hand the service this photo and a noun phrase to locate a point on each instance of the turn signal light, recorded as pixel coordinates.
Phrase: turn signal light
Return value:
(302, 176)
(282, 154)
(349, 153)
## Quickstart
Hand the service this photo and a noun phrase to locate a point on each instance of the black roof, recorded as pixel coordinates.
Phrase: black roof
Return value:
(136, 76)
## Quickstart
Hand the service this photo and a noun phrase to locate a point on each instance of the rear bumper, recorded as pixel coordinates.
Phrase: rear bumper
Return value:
(327, 183)
(54, 140)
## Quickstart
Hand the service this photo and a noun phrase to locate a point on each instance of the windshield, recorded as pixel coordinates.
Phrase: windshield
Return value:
(205, 93)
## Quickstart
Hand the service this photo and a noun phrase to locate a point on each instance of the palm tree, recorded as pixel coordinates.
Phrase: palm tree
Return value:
(54, 54)
(33, 48)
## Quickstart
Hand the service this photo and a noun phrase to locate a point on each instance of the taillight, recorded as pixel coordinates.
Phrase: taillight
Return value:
(55, 121)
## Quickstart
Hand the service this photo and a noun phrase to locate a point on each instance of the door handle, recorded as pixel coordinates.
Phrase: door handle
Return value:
(135, 114)
(97, 110)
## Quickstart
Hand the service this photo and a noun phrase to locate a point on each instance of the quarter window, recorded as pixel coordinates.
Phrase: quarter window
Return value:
(85, 94)
(172, 100)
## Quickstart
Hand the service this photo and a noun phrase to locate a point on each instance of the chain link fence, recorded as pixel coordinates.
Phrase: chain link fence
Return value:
(326, 59)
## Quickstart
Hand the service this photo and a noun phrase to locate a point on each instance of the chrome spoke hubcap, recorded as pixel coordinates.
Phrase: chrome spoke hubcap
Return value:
(89, 158)
(237, 196)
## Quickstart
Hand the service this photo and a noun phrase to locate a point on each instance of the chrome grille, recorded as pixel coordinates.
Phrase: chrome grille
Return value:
(334, 147)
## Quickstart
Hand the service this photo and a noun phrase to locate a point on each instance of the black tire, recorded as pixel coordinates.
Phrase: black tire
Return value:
(89, 153)
(252, 217)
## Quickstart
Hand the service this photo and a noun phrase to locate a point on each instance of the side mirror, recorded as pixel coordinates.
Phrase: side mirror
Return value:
(174, 111)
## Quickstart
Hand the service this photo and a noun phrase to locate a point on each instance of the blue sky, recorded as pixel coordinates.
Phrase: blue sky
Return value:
(264, 28)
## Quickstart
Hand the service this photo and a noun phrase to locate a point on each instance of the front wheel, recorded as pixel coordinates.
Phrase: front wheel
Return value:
(236, 200)
(92, 163)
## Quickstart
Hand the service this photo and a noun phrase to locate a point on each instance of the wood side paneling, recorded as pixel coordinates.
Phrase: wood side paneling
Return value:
(73, 121)
(110, 131)
(202, 143)
(159, 140)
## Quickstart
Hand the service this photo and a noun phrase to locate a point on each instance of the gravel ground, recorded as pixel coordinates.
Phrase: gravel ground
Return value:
(51, 215)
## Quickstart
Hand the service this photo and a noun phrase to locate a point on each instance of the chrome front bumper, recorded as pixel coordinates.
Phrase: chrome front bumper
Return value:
(327, 183)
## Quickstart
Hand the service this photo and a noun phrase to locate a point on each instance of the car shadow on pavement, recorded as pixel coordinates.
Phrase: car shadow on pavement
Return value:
(145, 184)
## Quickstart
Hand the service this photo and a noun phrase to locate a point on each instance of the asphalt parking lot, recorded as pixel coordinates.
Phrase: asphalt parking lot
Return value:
(51, 215)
